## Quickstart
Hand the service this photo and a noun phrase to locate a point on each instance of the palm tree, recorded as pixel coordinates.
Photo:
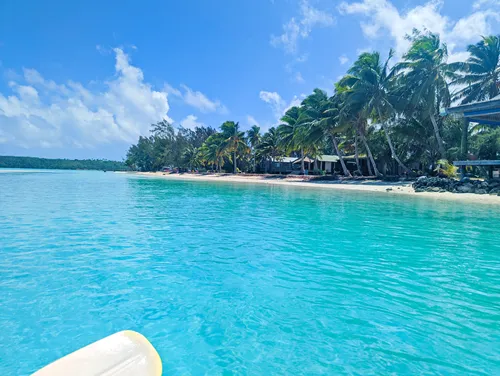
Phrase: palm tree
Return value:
(269, 147)
(481, 71)
(354, 113)
(191, 156)
(214, 150)
(425, 74)
(235, 140)
(254, 137)
(323, 121)
(293, 132)
(370, 84)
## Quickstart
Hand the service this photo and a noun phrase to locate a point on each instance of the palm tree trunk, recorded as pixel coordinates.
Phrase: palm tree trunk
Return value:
(347, 173)
(438, 136)
(235, 169)
(369, 165)
(393, 151)
(302, 166)
(389, 141)
(370, 155)
(356, 153)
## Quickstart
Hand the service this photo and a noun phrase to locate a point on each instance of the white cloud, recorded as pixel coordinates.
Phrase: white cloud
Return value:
(191, 122)
(343, 59)
(478, 4)
(381, 17)
(43, 113)
(278, 105)
(251, 121)
(274, 100)
(196, 99)
(298, 78)
(171, 90)
(471, 28)
(296, 29)
(200, 101)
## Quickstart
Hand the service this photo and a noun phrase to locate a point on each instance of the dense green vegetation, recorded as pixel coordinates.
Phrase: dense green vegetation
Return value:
(61, 164)
(392, 113)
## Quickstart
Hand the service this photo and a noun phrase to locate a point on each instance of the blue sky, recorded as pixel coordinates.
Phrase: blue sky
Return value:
(83, 79)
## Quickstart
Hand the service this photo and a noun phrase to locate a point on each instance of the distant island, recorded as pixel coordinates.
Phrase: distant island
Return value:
(61, 164)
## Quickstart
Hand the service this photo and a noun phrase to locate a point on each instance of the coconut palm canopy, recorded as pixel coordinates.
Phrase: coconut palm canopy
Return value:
(390, 111)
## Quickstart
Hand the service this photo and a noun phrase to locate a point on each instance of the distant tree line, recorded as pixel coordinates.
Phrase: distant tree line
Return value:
(392, 114)
(61, 164)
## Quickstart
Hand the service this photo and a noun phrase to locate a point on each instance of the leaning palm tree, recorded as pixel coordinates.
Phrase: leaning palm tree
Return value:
(235, 140)
(354, 114)
(481, 71)
(370, 84)
(425, 74)
(323, 122)
(294, 134)
(289, 131)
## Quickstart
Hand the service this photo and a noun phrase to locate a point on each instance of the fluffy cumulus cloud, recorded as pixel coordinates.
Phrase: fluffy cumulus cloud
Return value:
(380, 18)
(300, 27)
(196, 99)
(278, 105)
(42, 113)
(191, 122)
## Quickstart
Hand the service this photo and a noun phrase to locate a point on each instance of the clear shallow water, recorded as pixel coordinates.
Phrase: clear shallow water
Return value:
(236, 279)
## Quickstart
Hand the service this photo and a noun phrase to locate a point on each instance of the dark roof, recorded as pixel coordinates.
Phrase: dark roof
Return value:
(486, 112)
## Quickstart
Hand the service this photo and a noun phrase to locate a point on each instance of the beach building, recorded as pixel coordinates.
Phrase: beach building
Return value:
(487, 113)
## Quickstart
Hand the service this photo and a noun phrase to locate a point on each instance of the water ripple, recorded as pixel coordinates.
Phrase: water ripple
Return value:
(232, 279)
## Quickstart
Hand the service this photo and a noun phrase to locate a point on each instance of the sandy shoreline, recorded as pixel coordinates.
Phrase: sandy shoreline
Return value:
(395, 188)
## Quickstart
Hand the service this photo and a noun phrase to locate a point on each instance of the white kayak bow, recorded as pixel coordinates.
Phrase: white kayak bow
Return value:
(124, 353)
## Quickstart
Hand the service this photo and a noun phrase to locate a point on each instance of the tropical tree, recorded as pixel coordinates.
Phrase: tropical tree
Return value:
(323, 115)
(294, 134)
(191, 156)
(370, 84)
(270, 146)
(425, 73)
(354, 114)
(481, 72)
(214, 150)
(235, 140)
(254, 137)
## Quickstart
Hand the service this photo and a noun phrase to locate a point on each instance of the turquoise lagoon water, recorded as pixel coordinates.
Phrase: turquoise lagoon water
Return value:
(241, 279)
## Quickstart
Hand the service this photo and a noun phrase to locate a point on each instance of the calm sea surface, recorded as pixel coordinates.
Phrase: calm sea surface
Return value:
(241, 279)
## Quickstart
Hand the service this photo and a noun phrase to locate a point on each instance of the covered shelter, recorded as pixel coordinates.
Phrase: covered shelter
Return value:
(282, 165)
(485, 112)
(308, 163)
(326, 163)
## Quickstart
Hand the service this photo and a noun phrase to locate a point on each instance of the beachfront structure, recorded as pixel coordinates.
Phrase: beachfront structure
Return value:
(282, 165)
(487, 113)
(326, 163)
(329, 164)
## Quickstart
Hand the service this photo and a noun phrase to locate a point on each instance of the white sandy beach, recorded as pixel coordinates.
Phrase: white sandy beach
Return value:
(393, 188)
